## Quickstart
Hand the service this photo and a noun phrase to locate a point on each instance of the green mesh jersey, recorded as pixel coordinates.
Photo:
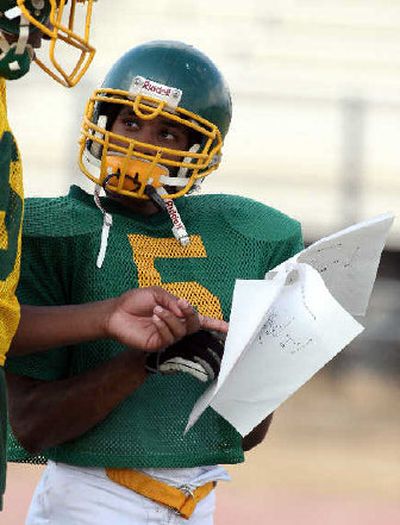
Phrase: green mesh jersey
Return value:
(11, 209)
(231, 237)
(3, 435)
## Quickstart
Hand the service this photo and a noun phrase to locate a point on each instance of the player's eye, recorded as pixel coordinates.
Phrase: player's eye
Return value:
(166, 134)
(174, 136)
(130, 123)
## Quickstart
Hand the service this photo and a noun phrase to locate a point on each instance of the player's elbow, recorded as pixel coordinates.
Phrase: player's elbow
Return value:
(29, 420)
(257, 435)
(29, 437)
(29, 428)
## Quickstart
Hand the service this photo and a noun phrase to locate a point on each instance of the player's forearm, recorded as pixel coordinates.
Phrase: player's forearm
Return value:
(45, 414)
(44, 327)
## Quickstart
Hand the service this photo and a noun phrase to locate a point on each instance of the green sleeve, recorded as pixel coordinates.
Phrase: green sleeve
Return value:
(43, 282)
(288, 246)
(279, 235)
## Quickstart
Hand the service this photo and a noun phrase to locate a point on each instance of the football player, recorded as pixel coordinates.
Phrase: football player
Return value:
(145, 319)
(114, 435)
(23, 24)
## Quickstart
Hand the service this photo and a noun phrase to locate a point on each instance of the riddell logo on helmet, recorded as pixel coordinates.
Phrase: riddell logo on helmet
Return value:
(145, 86)
(157, 88)
(172, 212)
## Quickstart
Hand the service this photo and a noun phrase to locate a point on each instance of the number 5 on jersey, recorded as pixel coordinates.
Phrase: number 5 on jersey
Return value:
(147, 249)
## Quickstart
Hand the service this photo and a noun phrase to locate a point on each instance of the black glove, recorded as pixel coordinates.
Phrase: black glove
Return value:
(199, 354)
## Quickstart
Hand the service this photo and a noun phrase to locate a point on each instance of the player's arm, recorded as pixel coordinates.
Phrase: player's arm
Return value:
(147, 319)
(257, 435)
(46, 413)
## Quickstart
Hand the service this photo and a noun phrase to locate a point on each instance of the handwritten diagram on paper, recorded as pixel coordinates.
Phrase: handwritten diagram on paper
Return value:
(282, 331)
(300, 320)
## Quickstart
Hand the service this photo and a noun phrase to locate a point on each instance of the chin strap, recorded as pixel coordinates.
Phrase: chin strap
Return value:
(107, 223)
(22, 42)
(168, 205)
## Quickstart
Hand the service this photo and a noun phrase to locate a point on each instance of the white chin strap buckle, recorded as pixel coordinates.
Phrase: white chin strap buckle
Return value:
(181, 235)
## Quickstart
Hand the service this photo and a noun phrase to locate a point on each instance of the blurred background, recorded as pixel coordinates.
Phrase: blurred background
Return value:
(315, 133)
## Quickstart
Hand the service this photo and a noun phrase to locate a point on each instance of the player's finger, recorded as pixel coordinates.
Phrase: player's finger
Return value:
(167, 301)
(190, 316)
(174, 324)
(214, 325)
(167, 338)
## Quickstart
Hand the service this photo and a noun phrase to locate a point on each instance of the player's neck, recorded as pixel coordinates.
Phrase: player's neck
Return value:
(141, 207)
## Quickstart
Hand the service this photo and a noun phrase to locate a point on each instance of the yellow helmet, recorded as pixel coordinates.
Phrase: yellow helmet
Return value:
(56, 21)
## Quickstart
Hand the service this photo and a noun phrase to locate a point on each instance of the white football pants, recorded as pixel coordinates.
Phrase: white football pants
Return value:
(68, 495)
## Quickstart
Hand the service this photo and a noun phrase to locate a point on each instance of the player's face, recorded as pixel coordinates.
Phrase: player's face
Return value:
(158, 131)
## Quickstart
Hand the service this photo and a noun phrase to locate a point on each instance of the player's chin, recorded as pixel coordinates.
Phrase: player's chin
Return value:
(141, 206)
(123, 199)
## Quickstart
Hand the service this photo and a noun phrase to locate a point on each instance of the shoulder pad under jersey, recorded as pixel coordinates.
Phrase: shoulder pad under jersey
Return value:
(60, 217)
(249, 217)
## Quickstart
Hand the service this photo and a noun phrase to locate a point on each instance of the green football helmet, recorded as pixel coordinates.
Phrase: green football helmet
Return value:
(55, 21)
(169, 80)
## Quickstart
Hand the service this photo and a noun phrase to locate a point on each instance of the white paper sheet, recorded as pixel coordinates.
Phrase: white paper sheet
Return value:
(348, 261)
(296, 326)
(297, 339)
(255, 297)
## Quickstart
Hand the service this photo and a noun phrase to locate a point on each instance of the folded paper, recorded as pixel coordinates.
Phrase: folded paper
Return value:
(301, 317)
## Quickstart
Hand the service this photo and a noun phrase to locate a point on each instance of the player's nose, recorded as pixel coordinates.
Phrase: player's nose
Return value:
(145, 134)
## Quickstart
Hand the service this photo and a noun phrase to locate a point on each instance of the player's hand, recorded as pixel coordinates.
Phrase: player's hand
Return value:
(213, 325)
(150, 319)
(198, 354)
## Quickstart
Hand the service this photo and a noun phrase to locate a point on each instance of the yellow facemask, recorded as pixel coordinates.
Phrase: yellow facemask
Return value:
(61, 29)
(127, 166)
